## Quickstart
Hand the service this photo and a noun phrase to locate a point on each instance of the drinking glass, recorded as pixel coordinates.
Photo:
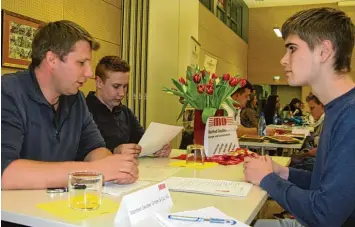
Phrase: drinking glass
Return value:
(195, 155)
(85, 189)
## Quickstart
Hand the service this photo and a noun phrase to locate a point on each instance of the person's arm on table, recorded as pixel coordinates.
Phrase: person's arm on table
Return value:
(19, 173)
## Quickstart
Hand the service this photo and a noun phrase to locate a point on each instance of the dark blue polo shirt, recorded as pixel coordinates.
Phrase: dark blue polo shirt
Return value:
(325, 197)
(32, 129)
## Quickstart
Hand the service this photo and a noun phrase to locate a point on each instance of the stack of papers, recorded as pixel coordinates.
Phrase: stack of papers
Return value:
(208, 186)
(205, 213)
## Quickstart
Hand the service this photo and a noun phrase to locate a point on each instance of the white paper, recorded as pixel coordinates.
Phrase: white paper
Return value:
(304, 131)
(156, 173)
(142, 204)
(119, 189)
(208, 212)
(210, 64)
(156, 136)
(220, 136)
(209, 186)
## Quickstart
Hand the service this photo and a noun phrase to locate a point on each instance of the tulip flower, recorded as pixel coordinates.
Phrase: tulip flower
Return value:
(209, 91)
(182, 81)
(200, 88)
(243, 82)
(196, 78)
(214, 76)
(226, 77)
(233, 82)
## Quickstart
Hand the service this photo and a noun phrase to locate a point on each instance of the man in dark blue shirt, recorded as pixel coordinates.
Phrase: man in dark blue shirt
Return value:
(117, 123)
(46, 128)
(319, 46)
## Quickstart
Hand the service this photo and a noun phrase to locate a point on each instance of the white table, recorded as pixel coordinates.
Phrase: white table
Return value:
(20, 206)
(267, 144)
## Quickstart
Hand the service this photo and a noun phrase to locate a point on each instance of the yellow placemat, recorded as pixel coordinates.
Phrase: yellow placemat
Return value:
(182, 163)
(61, 209)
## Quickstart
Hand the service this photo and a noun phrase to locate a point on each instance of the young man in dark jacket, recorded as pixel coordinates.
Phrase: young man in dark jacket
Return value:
(117, 123)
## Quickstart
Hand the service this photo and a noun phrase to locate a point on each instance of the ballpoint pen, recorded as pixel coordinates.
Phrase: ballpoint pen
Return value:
(200, 219)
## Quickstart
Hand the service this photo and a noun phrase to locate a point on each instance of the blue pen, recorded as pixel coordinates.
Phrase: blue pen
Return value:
(199, 219)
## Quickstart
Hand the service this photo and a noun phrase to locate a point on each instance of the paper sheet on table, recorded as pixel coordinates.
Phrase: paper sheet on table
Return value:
(208, 212)
(304, 131)
(61, 209)
(156, 136)
(119, 189)
(156, 173)
(209, 186)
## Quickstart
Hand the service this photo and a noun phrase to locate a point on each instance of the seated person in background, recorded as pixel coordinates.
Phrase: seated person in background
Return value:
(294, 107)
(248, 115)
(241, 96)
(272, 109)
(45, 123)
(117, 123)
(306, 160)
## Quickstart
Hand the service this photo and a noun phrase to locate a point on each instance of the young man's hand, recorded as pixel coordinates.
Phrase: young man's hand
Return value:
(164, 152)
(131, 148)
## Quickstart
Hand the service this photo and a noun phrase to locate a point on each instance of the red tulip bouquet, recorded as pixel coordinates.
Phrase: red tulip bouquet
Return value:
(205, 92)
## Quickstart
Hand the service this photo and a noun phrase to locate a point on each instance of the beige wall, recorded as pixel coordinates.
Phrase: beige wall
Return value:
(221, 42)
(162, 64)
(265, 49)
(287, 93)
(100, 17)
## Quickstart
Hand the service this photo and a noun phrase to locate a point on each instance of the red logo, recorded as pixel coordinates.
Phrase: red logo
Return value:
(161, 186)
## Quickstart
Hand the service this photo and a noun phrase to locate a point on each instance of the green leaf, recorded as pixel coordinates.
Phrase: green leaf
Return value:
(178, 85)
(208, 112)
(182, 111)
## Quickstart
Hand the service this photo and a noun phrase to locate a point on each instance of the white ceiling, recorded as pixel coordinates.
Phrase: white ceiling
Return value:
(269, 3)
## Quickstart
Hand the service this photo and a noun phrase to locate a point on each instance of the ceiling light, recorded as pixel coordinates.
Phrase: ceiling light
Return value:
(277, 32)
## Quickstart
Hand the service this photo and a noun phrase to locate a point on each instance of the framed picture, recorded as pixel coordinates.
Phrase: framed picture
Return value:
(17, 35)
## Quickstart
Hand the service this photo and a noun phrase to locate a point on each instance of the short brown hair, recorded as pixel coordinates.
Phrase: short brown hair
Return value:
(110, 63)
(316, 25)
(59, 37)
(314, 98)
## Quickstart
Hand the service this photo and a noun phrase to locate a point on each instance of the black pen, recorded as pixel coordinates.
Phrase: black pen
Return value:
(63, 189)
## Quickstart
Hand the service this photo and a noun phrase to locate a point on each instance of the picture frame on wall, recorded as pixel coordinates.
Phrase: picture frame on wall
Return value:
(17, 35)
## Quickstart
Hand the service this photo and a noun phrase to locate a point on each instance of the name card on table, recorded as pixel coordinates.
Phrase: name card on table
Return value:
(304, 131)
(220, 136)
(142, 204)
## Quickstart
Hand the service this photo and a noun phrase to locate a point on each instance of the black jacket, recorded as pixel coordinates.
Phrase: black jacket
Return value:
(117, 127)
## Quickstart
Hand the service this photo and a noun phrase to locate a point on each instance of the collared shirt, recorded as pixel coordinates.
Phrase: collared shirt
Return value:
(31, 129)
(117, 127)
(231, 113)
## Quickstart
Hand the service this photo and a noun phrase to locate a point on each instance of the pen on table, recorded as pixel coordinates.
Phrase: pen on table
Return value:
(201, 219)
(64, 189)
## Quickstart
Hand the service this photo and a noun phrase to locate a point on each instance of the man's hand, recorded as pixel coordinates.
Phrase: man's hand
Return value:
(164, 152)
(122, 169)
(131, 148)
(255, 169)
